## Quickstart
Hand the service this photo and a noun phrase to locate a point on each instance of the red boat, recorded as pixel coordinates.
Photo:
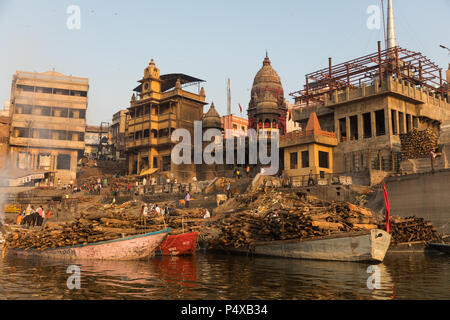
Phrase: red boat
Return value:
(178, 245)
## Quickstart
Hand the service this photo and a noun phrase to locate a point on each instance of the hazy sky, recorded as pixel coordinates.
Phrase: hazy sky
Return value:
(208, 39)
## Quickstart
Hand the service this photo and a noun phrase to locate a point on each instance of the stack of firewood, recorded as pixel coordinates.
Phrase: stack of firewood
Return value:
(413, 229)
(418, 144)
(102, 225)
(276, 216)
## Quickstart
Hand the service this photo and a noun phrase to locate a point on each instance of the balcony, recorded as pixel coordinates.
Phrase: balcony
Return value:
(47, 143)
(145, 142)
(54, 123)
(25, 97)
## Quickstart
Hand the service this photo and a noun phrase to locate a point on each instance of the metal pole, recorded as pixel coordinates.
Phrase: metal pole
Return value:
(329, 72)
(379, 64)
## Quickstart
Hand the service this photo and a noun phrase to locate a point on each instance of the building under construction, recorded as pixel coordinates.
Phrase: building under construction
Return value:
(369, 101)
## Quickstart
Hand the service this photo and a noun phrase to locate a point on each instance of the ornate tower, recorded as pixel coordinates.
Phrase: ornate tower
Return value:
(267, 108)
(151, 81)
(211, 120)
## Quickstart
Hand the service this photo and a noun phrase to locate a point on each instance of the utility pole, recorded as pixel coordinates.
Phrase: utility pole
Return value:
(228, 96)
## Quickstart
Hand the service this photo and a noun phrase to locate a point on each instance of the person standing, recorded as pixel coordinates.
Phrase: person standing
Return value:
(19, 219)
(310, 179)
(432, 157)
(248, 171)
(59, 184)
(187, 199)
(228, 191)
(157, 210)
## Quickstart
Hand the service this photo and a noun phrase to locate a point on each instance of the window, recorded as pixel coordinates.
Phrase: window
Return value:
(166, 163)
(343, 129)
(394, 122)
(63, 162)
(354, 128)
(379, 123)
(324, 160)
(367, 124)
(401, 119)
(408, 122)
(294, 160)
(305, 159)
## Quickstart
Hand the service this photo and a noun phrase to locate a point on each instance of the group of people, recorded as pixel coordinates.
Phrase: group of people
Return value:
(238, 172)
(155, 210)
(31, 217)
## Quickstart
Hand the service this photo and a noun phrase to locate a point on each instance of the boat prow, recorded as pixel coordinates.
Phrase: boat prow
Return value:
(178, 245)
(129, 248)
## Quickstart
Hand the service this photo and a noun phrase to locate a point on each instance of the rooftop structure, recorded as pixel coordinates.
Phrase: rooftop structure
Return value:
(48, 122)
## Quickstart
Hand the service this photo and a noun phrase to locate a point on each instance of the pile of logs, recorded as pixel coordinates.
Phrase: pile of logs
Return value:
(276, 216)
(102, 225)
(418, 144)
(413, 229)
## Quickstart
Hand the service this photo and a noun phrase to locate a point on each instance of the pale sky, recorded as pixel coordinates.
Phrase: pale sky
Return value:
(208, 39)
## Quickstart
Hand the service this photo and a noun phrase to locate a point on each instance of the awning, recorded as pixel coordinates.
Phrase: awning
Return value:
(148, 171)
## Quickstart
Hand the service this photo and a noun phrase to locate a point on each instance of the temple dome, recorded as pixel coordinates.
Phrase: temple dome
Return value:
(212, 119)
(267, 104)
(267, 79)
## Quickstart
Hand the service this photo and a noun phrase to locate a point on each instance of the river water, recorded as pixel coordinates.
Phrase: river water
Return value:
(221, 276)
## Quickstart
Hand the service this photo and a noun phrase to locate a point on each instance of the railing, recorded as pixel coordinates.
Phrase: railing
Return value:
(35, 75)
(324, 179)
(299, 134)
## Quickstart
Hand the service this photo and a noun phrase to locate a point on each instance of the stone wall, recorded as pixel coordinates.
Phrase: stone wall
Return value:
(424, 195)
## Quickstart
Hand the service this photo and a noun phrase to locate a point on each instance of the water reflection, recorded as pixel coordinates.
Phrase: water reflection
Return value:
(221, 276)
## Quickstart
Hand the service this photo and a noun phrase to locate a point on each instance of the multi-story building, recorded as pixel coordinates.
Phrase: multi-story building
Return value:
(159, 106)
(5, 111)
(237, 125)
(48, 122)
(95, 138)
(4, 139)
(369, 101)
(117, 131)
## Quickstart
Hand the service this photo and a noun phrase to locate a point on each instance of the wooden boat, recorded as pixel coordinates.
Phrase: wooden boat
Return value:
(361, 246)
(440, 247)
(178, 245)
(129, 248)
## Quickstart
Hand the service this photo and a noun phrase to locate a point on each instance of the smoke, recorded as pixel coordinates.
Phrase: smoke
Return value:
(4, 168)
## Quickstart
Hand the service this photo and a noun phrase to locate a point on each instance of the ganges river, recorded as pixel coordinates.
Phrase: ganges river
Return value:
(208, 276)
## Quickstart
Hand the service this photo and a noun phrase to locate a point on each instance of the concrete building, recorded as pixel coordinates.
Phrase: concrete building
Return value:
(5, 111)
(291, 125)
(96, 137)
(4, 140)
(371, 103)
(160, 105)
(117, 130)
(48, 122)
(308, 151)
(236, 124)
